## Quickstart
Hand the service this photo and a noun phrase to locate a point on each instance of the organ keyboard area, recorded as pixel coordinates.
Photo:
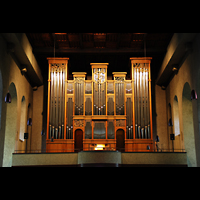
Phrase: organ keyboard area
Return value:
(84, 113)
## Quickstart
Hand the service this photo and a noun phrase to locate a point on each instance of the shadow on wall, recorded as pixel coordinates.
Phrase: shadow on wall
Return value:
(11, 125)
(188, 127)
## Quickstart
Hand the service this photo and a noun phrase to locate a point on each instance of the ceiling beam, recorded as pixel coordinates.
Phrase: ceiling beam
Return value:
(20, 51)
(178, 50)
(44, 50)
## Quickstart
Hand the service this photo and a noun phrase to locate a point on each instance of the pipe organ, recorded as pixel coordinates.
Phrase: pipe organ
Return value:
(114, 113)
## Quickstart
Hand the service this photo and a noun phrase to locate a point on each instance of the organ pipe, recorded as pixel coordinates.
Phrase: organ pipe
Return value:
(79, 79)
(99, 96)
(56, 126)
(141, 100)
(56, 97)
(119, 98)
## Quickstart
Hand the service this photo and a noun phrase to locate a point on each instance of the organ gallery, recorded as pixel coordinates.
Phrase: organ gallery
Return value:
(99, 114)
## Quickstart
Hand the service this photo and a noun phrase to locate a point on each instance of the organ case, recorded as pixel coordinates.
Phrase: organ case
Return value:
(99, 107)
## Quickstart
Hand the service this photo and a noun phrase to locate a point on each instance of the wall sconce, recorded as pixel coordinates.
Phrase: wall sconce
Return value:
(29, 122)
(23, 71)
(35, 88)
(42, 132)
(172, 138)
(163, 87)
(157, 138)
(8, 98)
(175, 69)
(193, 95)
(25, 136)
(170, 122)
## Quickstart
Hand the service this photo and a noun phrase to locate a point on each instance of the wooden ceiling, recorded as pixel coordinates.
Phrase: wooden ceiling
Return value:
(131, 41)
(83, 48)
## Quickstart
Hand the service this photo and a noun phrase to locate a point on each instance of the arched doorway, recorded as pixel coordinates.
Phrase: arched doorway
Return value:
(11, 126)
(188, 127)
(78, 140)
(120, 142)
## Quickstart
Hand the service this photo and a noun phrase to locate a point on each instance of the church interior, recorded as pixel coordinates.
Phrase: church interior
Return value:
(99, 99)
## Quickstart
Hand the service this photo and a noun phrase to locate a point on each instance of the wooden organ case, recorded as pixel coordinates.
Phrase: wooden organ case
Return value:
(99, 114)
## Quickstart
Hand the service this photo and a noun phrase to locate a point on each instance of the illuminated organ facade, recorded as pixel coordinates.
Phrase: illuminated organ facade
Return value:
(99, 114)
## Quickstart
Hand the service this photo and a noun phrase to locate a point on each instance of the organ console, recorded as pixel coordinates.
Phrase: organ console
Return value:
(83, 114)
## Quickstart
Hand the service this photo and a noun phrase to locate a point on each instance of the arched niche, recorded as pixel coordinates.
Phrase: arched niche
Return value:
(19, 143)
(178, 138)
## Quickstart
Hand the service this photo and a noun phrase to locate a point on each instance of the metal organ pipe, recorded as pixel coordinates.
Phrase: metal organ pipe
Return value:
(145, 113)
(57, 102)
(147, 104)
(135, 99)
(99, 99)
(142, 107)
(60, 97)
(138, 84)
(148, 110)
(63, 103)
(51, 105)
(141, 102)
(75, 98)
(78, 99)
(54, 105)
(82, 99)
(79, 86)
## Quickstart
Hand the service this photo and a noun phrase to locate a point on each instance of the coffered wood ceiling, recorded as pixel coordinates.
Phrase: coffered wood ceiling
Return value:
(112, 48)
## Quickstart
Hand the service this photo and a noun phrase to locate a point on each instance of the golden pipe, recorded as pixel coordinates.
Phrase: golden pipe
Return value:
(65, 100)
(48, 104)
(133, 96)
(150, 103)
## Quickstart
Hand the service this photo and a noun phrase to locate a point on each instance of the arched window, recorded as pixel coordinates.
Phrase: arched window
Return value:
(176, 117)
(23, 120)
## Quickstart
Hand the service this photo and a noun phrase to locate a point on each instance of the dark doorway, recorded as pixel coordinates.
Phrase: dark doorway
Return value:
(78, 140)
(120, 144)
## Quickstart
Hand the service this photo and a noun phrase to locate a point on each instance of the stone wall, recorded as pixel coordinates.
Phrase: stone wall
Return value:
(11, 120)
(189, 117)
